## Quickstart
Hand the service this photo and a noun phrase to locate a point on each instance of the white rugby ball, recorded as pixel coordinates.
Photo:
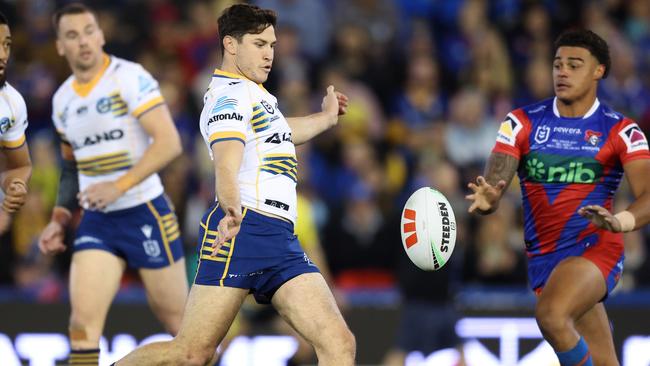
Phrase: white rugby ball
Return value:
(428, 229)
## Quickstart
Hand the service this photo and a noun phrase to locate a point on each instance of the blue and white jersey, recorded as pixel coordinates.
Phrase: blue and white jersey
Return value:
(236, 108)
(99, 120)
(13, 118)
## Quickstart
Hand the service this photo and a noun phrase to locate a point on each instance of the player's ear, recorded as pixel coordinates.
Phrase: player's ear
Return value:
(59, 48)
(599, 72)
(230, 45)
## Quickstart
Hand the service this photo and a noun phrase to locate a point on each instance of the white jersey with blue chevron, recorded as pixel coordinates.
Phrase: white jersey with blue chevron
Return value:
(99, 120)
(236, 108)
(13, 118)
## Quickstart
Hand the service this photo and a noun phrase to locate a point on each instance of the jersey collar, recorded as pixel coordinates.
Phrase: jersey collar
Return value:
(83, 89)
(229, 75)
(591, 110)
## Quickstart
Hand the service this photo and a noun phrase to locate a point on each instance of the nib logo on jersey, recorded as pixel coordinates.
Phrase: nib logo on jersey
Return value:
(548, 168)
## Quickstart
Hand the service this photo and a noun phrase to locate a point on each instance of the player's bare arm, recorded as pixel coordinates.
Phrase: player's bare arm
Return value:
(227, 161)
(14, 179)
(305, 128)
(166, 146)
(488, 189)
(635, 216)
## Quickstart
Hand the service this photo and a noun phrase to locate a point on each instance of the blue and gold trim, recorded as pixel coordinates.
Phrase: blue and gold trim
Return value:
(104, 164)
(284, 164)
(162, 221)
(227, 136)
(261, 119)
(148, 106)
(14, 144)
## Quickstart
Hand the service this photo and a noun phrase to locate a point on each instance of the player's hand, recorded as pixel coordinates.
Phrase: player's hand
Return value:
(99, 195)
(15, 196)
(485, 197)
(601, 217)
(334, 103)
(228, 227)
(51, 240)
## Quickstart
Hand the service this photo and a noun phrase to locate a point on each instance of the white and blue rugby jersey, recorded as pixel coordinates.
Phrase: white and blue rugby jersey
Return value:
(99, 120)
(13, 118)
(236, 108)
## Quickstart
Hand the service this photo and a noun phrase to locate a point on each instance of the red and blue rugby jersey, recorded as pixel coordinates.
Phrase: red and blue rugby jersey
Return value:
(564, 164)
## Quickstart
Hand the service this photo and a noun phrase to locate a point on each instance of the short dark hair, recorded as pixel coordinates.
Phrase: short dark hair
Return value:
(3, 19)
(240, 19)
(72, 8)
(589, 40)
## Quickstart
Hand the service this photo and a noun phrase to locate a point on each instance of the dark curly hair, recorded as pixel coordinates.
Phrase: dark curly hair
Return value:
(589, 40)
(241, 19)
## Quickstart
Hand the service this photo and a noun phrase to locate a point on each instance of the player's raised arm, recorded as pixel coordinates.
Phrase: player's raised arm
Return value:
(305, 128)
(488, 189)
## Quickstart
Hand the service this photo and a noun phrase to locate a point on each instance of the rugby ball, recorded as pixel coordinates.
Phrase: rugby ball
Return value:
(428, 229)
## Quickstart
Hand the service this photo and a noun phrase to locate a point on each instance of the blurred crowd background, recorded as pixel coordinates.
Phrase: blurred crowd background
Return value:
(429, 82)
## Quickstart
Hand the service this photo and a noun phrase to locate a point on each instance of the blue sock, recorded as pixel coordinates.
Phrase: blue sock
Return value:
(577, 356)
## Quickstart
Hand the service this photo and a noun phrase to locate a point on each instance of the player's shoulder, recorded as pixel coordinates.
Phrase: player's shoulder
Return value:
(535, 109)
(63, 91)
(125, 68)
(610, 115)
(239, 89)
(13, 94)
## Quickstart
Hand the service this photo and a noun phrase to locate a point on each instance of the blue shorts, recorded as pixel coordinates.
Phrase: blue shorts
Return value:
(607, 256)
(145, 236)
(261, 258)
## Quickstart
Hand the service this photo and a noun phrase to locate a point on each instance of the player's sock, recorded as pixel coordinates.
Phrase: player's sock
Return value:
(84, 357)
(577, 356)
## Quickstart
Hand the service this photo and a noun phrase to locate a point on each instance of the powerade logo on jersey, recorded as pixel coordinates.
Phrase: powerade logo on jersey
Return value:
(6, 124)
(97, 138)
(547, 168)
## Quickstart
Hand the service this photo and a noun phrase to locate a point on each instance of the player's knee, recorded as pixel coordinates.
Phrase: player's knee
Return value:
(342, 342)
(551, 318)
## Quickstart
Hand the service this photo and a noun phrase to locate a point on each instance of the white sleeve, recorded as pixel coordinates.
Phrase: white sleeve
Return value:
(140, 91)
(226, 114)
(13, 126)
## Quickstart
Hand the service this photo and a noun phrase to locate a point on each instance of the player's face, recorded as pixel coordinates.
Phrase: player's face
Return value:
(255, 55)
(80, 40)
(575, 73)
(5, 51)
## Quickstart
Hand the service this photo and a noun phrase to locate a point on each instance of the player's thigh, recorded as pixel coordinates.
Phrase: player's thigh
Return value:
(307, 303)
(94, 280)
(575, 285)
(209, 312)
(594, 327)
(167, 289)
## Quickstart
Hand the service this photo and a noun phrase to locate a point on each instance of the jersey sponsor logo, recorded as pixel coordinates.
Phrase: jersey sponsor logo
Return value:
(542, 133)
(225, 116)
(97, 138)
(567, 130)
(277, 204)
(634, 138)
(85, 239)
(151, 246)
(508, 131)
(268, 107)
(592, 137)
(546, 168)
(278, 138)
(223, 104)
(5, 124)
(112, 103)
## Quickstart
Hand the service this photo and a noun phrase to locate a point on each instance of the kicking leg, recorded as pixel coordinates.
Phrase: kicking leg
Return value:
(307, 304)
(208, 314)
(94, 279)
(167, 290)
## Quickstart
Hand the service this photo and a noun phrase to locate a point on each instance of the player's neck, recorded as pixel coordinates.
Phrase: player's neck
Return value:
(576, 108)
(231, 68)
(84, 76)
